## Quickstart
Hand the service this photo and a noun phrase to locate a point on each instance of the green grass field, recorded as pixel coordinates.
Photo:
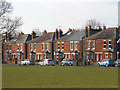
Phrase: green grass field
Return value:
(14, 76)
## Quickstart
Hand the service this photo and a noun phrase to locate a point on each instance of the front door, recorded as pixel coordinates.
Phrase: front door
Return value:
(100, 57)
(15, 60)
(97, 57)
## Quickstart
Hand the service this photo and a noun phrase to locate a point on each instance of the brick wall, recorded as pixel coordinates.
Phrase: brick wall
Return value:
(99, 49)
(67, 49)
(14, 53)
(39, 53)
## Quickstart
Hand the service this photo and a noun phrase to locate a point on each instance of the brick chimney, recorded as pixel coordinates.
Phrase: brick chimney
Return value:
(119, 30)
(89, 29)
(60, 33)
(33, 34)
(104, 28)
(56, 34)
(44, 32)
(69, 30)
(20, 33)
(86, 32)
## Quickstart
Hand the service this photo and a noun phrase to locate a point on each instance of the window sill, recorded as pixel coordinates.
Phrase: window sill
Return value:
(88, 48)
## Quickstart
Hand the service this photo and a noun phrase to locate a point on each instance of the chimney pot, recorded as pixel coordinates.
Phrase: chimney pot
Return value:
(89, 26)
(104, 27)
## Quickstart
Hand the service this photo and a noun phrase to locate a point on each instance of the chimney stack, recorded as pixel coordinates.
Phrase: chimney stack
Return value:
(70, 30)
(44, 32)
(20, 33)
(33, 34)
(89, 26)
(60, 33)
(119, 30)
(104, 27)
(56, 34)
(89, 29)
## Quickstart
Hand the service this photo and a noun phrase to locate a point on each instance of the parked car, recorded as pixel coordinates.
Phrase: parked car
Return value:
(27, 62)
(47, 62)
(106, 62)
(67, 62)
(117, 62)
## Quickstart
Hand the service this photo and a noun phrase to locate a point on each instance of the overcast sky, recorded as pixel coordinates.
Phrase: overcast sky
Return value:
(50, 14)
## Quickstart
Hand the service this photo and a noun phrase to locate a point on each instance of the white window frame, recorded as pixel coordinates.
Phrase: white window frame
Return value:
(88, 45)
(62, 46)
(69, 56)
(104, 44)
(34, 46)
(18, 57)
(93, 44)
(76, 45)
(38, 56)
(97, 57)
(58, 46)
(110, 56)
(117, 55)
(30, 56)
(105, 55)
(57, 56)
(65, 56)
(109, 44)
(71, 42)
(20, 47)
(31, 46)
(17, 47)
(43, 47)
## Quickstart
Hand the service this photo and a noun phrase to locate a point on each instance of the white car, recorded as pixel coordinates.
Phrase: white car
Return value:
(47, 62)
(27, 62)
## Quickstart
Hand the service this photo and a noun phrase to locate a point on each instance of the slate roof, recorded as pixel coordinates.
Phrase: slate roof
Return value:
(43, 38)
(72, 36)
(21, 39)
(109, 33)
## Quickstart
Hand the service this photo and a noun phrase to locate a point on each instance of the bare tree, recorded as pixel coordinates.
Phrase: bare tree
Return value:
(7, 23)
(5, 8)
(94, 23)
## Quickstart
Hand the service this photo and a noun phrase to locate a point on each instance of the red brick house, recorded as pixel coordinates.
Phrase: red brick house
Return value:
(42, 46)
(16, 49)
(69, 45)
(102, 45)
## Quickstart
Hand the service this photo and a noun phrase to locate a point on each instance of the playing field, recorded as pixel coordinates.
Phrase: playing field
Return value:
(14, 76)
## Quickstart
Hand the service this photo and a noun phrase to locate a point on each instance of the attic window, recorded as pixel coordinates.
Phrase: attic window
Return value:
(69, 33)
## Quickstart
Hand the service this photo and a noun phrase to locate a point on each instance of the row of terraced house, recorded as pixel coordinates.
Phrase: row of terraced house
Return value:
(88, 44)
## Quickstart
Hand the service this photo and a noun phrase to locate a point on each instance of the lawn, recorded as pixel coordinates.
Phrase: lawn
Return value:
(59, 77)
